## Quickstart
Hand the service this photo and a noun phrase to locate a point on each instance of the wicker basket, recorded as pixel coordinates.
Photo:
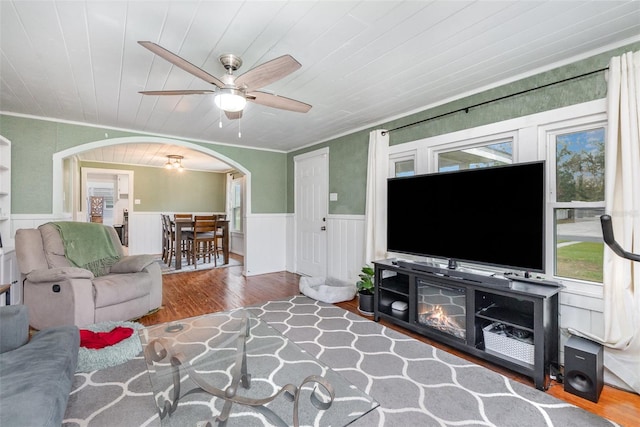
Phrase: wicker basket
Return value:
(497, 343)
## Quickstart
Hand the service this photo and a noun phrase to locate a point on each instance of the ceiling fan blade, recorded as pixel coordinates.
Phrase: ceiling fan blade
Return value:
(276, 101)
(182, 63)
(175, 92)
(233, 115)
(267, 73)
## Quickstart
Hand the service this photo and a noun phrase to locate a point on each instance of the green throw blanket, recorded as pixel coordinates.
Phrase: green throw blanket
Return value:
(88, 245)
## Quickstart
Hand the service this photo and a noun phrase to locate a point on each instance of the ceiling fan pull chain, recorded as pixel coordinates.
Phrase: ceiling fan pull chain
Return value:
(220, 122)
(239, 129)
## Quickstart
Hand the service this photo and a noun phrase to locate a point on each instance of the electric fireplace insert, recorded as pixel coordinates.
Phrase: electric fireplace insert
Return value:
(442, 308)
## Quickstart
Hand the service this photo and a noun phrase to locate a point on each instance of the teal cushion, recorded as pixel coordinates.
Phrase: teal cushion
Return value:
(37, 377)
(14, 327)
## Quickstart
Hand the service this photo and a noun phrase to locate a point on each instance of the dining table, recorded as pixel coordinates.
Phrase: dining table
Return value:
(181, 224)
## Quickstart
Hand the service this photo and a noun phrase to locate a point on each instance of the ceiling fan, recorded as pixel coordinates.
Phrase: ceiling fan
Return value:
(233, 92)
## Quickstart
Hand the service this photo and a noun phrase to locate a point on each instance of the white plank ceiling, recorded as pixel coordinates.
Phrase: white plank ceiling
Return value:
(362, 61)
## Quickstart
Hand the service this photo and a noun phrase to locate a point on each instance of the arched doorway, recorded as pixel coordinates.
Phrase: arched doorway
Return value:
(61, 200)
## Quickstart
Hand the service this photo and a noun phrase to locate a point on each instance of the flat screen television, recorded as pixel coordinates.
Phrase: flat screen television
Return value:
(492, 216)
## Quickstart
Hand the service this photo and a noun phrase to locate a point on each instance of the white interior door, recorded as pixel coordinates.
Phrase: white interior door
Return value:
(311, 192)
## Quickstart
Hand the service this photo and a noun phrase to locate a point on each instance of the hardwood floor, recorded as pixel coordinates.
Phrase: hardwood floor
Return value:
(196, 293)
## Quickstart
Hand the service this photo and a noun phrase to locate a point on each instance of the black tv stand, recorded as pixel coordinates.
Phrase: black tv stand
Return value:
(524, 306)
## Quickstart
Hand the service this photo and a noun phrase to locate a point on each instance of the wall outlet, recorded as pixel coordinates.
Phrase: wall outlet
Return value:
(333, 197)
(136, 201)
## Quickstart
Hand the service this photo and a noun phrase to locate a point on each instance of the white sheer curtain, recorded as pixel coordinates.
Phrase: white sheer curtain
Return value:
(376, 202)
(621, 277)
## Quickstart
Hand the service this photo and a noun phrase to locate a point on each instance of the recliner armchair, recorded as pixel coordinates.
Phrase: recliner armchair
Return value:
(59, 293)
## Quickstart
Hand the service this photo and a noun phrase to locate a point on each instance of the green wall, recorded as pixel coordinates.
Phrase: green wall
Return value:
(348, 154)
(161, 190)
(35, 141)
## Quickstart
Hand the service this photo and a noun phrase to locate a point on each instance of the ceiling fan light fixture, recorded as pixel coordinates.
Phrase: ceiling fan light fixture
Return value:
(230, 100)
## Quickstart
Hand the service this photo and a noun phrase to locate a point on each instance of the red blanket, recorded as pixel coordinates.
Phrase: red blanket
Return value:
(97, 340)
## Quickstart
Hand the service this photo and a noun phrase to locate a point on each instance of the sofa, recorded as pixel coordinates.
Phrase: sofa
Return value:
(61, 289)
(36, 374)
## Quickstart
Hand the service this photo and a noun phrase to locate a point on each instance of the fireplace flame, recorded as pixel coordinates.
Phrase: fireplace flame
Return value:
(437, 318)
(435, 315)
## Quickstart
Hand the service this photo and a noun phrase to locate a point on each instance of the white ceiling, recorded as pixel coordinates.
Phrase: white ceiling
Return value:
(363, 62)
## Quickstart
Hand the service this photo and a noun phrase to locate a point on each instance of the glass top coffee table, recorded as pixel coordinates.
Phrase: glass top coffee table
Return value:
(233, 369)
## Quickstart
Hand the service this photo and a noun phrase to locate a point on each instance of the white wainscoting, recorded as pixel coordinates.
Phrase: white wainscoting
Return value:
(581, 312)
(145, 229)
(270, 247)
(266, 246)
(145, 233)
(33, 221)
(266, 243)
(236, 243)
(345, 246)
(291, 243)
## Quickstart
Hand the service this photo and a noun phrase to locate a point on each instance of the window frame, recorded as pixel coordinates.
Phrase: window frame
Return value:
(548, 133)
(399, 158)
(478, 143)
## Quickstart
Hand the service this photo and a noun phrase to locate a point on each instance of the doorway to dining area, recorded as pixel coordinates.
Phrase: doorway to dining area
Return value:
(154, 184)
(157, 191)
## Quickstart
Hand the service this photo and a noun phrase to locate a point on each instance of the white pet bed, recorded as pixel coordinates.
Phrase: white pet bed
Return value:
(327, 289)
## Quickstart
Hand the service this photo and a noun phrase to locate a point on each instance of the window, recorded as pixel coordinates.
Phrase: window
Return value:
(402, 164)
(236, 204)
(577, 201)
(482, 156)
(404, 168)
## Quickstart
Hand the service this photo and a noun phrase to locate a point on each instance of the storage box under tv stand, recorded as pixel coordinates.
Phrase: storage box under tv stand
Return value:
(509, 323)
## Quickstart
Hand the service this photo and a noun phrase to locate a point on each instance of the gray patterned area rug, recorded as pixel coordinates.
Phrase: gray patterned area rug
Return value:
(414, 383)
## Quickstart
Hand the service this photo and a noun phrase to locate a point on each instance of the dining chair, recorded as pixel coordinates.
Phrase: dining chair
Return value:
(165, 238)
(220, 230)
(169, 238)
(203, 241)
(185, 231)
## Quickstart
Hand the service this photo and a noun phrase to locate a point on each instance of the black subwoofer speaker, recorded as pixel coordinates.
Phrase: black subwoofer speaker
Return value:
(583, 368)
